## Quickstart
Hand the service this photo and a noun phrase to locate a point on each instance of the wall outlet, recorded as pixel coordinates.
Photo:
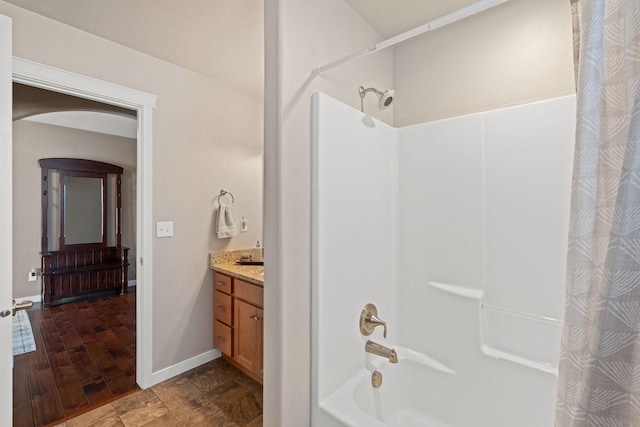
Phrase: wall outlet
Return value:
(164, 228)
(244, 224)
(33, 274)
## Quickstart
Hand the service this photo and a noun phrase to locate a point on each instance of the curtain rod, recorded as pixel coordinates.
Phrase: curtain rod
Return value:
(459, 14)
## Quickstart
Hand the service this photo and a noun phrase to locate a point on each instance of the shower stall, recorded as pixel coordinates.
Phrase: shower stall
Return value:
(457, 231)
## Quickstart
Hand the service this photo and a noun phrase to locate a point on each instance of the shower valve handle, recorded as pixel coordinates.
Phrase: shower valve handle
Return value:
(375, 321)
(369, 320)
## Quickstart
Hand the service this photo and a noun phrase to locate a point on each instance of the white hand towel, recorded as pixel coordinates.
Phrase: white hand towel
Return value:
(226, 226)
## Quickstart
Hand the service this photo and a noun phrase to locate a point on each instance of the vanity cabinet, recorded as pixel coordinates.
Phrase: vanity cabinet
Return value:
(238, 327)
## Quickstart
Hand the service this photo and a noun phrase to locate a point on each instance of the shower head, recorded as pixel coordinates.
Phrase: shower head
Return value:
(384, 98)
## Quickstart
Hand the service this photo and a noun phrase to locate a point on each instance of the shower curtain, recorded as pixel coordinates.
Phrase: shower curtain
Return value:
(599, 371)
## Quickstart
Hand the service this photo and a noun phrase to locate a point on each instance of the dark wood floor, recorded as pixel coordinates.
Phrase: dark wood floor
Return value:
(85, 357)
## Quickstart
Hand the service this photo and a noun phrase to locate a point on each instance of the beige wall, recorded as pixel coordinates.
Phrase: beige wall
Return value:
(312, 33)
(224, 36)
(33, 141)
(517, 52)
(207, 135)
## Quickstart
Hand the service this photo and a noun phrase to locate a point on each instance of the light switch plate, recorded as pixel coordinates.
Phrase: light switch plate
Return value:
(164, 228)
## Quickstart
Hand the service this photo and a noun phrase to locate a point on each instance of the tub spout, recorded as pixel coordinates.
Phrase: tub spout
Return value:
(380, 350)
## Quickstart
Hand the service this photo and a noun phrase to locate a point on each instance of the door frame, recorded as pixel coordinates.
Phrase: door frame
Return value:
(6, 218)
(58, 80)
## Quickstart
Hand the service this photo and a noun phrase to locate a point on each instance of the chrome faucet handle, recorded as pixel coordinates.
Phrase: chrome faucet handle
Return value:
(369, 320)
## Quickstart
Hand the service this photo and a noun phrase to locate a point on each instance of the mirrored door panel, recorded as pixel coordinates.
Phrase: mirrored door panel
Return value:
(83, 210)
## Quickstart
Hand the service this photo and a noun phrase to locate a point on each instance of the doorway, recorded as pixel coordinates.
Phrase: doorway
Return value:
(84, 350)
(57, 80)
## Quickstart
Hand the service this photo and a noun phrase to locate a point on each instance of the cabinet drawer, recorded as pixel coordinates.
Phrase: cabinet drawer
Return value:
(248, 292)
(222, 283)
(222, 307)
(222, 338)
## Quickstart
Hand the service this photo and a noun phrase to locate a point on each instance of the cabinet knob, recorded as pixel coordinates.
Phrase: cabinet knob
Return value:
(220, 283)
(254, 317)
(219, 307)
(219, 338)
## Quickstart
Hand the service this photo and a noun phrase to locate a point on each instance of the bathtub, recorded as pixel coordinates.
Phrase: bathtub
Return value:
(419, 391)
(414, 392)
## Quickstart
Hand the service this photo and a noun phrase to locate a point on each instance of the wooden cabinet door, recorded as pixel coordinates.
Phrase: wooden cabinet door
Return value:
(245, 334)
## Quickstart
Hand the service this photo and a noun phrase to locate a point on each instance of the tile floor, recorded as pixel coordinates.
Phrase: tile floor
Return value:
(214, 394)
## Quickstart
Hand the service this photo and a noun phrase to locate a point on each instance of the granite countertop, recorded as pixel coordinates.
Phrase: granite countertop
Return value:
(225, 262)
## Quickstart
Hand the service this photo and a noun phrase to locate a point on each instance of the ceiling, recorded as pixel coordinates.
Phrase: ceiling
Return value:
(392, 17)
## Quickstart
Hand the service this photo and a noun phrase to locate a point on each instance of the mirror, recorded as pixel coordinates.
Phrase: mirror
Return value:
(83, 210)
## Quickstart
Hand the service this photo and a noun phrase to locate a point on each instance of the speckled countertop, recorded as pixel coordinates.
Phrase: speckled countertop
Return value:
(225, 262)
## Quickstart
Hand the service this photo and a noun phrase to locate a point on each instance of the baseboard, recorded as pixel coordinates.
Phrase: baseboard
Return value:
(177, 369)
(32, 298)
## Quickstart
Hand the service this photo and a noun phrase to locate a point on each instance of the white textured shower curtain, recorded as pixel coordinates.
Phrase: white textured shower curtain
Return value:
(599, 372)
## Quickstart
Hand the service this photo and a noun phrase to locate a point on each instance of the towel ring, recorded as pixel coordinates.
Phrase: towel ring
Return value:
(225, 193)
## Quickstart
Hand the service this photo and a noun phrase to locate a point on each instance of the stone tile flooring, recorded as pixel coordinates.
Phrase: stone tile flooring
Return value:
(215, 394)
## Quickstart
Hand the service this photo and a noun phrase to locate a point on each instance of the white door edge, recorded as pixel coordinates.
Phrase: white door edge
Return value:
(6, 224)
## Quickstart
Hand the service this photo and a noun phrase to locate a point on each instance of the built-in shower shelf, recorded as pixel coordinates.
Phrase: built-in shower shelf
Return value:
(459, 290)
(516, 336)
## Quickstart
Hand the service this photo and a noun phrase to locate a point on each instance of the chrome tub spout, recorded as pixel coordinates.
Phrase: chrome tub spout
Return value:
(380, 350)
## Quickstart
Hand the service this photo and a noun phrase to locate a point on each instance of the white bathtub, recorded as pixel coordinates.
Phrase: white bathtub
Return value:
(415, 392)
(421, 392)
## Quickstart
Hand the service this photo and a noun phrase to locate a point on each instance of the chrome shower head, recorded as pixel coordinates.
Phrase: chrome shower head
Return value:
(384, 98)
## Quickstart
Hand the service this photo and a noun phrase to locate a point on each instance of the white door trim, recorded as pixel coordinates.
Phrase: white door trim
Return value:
(58, 80)
(6, 218)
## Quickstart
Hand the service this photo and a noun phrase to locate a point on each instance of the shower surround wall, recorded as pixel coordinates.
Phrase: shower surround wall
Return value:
(457, 231)
(354, 262)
